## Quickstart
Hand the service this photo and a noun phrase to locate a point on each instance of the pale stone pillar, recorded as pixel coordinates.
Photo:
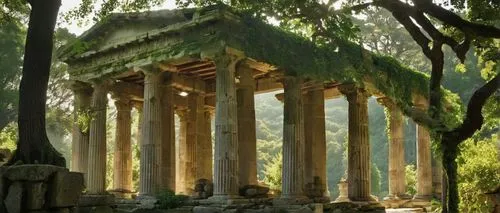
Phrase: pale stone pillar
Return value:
(167, 146)
(315, 144)
(226, 131)
(358, 162)
(205, 152)
(437, 175)
(194, 119)
(96, 178)
(247, 140)
(138, 106)
(122, 162)
(151, 135)
(396, 174)
(181, 160)
(293, 140)
(80, 134)
(424, 165)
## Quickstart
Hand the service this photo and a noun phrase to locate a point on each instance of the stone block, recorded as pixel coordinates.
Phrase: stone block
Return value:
(66, 188)
(95, 200)
(94, 209)
(35, 195)
(13, 201)
(32, 172)
(251, 191)
(207, 209)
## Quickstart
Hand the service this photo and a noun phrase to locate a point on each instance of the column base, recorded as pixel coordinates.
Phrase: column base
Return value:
(147, 201)
(323, 199)
(396, 201)
(421, 201)
(123, 194)
(224, 200)
(342, 199)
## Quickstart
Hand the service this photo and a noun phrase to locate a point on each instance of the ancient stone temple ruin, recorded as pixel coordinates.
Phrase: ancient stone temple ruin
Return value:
(208, 63)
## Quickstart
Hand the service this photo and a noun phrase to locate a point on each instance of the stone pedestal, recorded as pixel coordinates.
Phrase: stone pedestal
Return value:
(81, 121)
(397, 184)
(315, 144)
(151, 136)
(343, 194)
(293, 143)
(226, 131)
(167, 146)
(39, 188)
(122, 165)
(96, 179)
(247, 141)
(358, 163)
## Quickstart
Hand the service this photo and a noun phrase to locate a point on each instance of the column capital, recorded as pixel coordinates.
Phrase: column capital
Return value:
(387, 102)
(138, 105)
(353, 93)
(80, 87)
(123, 103)
(210, 110)
(181, 112)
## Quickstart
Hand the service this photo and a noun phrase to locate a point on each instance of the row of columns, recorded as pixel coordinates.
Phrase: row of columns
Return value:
(304, 149)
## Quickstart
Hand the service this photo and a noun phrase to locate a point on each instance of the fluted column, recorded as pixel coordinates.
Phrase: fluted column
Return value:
(96, 178)
(122, 162)
(247, 141)
(226, 130)
(424, 163)
(205, 150)
(315, 143)
(358, 162)
(395, 125)
(138, 106)
(151, 135)
(181, 159)
(167, 162)
(81, 121)
(293, 139)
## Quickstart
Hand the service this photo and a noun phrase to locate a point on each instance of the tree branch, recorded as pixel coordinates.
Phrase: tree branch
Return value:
(474, 118)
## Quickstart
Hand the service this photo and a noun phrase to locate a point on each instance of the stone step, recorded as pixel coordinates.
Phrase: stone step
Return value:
(405, 210)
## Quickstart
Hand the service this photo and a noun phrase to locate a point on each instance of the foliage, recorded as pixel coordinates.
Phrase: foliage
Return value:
(411, 179)
(169, 200)
(478, 168)
(8, 137)
(375, 180)
(272, 172)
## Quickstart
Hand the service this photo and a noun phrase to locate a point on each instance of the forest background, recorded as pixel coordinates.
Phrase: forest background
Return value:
(479, 161)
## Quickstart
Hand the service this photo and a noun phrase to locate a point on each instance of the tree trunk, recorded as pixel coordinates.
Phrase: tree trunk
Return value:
(450, 151)
(33, 145)
(444, 190)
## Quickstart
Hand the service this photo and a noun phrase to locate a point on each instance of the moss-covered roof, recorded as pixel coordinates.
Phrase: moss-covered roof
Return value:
(205, 29)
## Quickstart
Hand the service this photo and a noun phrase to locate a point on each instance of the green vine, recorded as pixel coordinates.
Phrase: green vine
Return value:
(83, 119)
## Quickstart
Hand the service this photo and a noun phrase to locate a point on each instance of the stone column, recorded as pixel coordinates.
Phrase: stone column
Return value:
(194, 136)
(315, 144)
(424, 165)
(81, 121)
(226, 131)
(181, 162)
(395, 125)
(247, 140)
(437, 175)
(151, 135)
(167, 162)
(138, 106)
(96, 178)
(293, 140)
(122, 165)
(358, 162)
(206, 147)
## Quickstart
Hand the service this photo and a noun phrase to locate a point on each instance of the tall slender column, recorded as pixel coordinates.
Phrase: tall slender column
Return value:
(437, 175)
(96, 179)
(181, 171)
(122, 165)
(293, 139)
(167, 163)
(424, 164)
(151, 135)
(247, 141)
(315, 143)
(358, 162)
(138, 106)
(201, 157)
(226, 130)
(189, 150)
(205, 150)
(397, 185)
(81, 121)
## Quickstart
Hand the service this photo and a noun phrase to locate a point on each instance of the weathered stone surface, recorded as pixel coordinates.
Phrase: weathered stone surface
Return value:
(304, 209)
(66, 188)
(203, 189)
(13, 201)
(95, 209)
(35, 195)
(206, 209)
(252, 191)
(95, 200)
(32, 172)
(4, 155)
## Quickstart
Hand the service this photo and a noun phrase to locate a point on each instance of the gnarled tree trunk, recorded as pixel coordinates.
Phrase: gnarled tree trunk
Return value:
(33, 145)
